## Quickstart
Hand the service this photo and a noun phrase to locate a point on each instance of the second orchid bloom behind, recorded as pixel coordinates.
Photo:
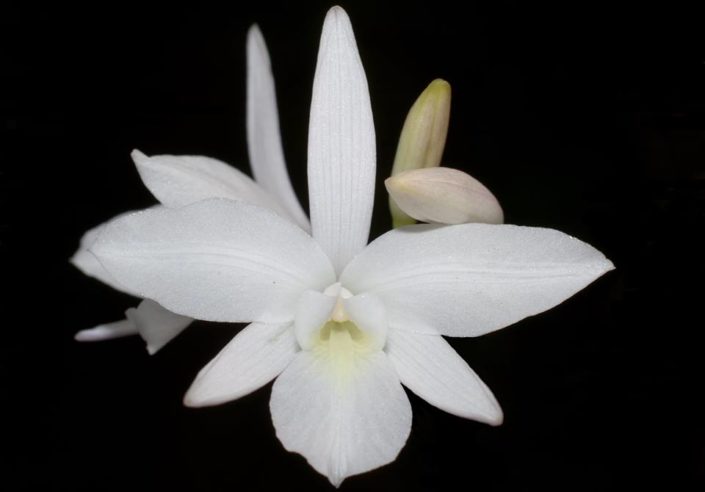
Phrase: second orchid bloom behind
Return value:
(338, 324)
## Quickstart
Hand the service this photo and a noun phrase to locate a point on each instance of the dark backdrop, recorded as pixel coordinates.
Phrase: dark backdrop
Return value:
(587, 118)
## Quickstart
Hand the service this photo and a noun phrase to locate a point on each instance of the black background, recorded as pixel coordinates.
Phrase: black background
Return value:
(587, 118)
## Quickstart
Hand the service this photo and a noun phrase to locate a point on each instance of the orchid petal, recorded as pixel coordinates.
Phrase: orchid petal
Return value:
(341, 145)
(312, 312)
(471, 279)
(252, 359)
(178, 180)
(156, 325)
(263, 137)
(343, 423)
(429, 367)
(107, 331)
(86, 261)
(215, 260)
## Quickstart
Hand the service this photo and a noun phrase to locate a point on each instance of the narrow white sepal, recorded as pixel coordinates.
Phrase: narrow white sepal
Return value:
(157, 326)
(441, 195)
(216, 260)
(252, 359)
(341, 145)
(471, 279)
(263, 135)
(342, 423)
(107, 331)
(428, 366)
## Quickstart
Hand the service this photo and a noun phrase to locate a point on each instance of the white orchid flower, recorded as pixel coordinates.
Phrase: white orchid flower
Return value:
(180, 180)
(340, 324)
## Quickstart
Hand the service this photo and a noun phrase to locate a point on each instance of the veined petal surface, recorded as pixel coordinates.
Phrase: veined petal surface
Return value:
(253, 358)
(263, 135)
(341, 145)
(216, 260)
(179, 180)
(344, 422)
(471, 279)
(428, 366)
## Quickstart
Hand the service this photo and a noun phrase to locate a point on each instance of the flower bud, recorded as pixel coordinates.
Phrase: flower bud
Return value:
(442, 195)
(423, 137)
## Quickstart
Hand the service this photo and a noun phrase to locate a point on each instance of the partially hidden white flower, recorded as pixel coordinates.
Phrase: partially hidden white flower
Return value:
(422, 139)
(442, 195)
(421, 190)
(180, 180)
(339, 324)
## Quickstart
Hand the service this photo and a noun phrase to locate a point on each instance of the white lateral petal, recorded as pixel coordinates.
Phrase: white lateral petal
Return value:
(368, 313)
(341, 145)
(178, 180)
(107, 331)
(312, 312)
(263, 137)
(156, 325)
(343, 424)
(471, 279)
(86, 261)
(216, 260)
(252, 359)
(429, 367)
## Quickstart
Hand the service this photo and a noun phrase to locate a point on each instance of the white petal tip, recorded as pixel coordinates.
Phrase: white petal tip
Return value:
(190, 401)
(491, 416)
(193, 399)
(138, 156)
(143, 161)
(337, 20)
(84, 260)
(601, 266)
(255, 39)
(79, 260)
(86, 336)
(336, 10)
(495, 420)
(74, 258)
